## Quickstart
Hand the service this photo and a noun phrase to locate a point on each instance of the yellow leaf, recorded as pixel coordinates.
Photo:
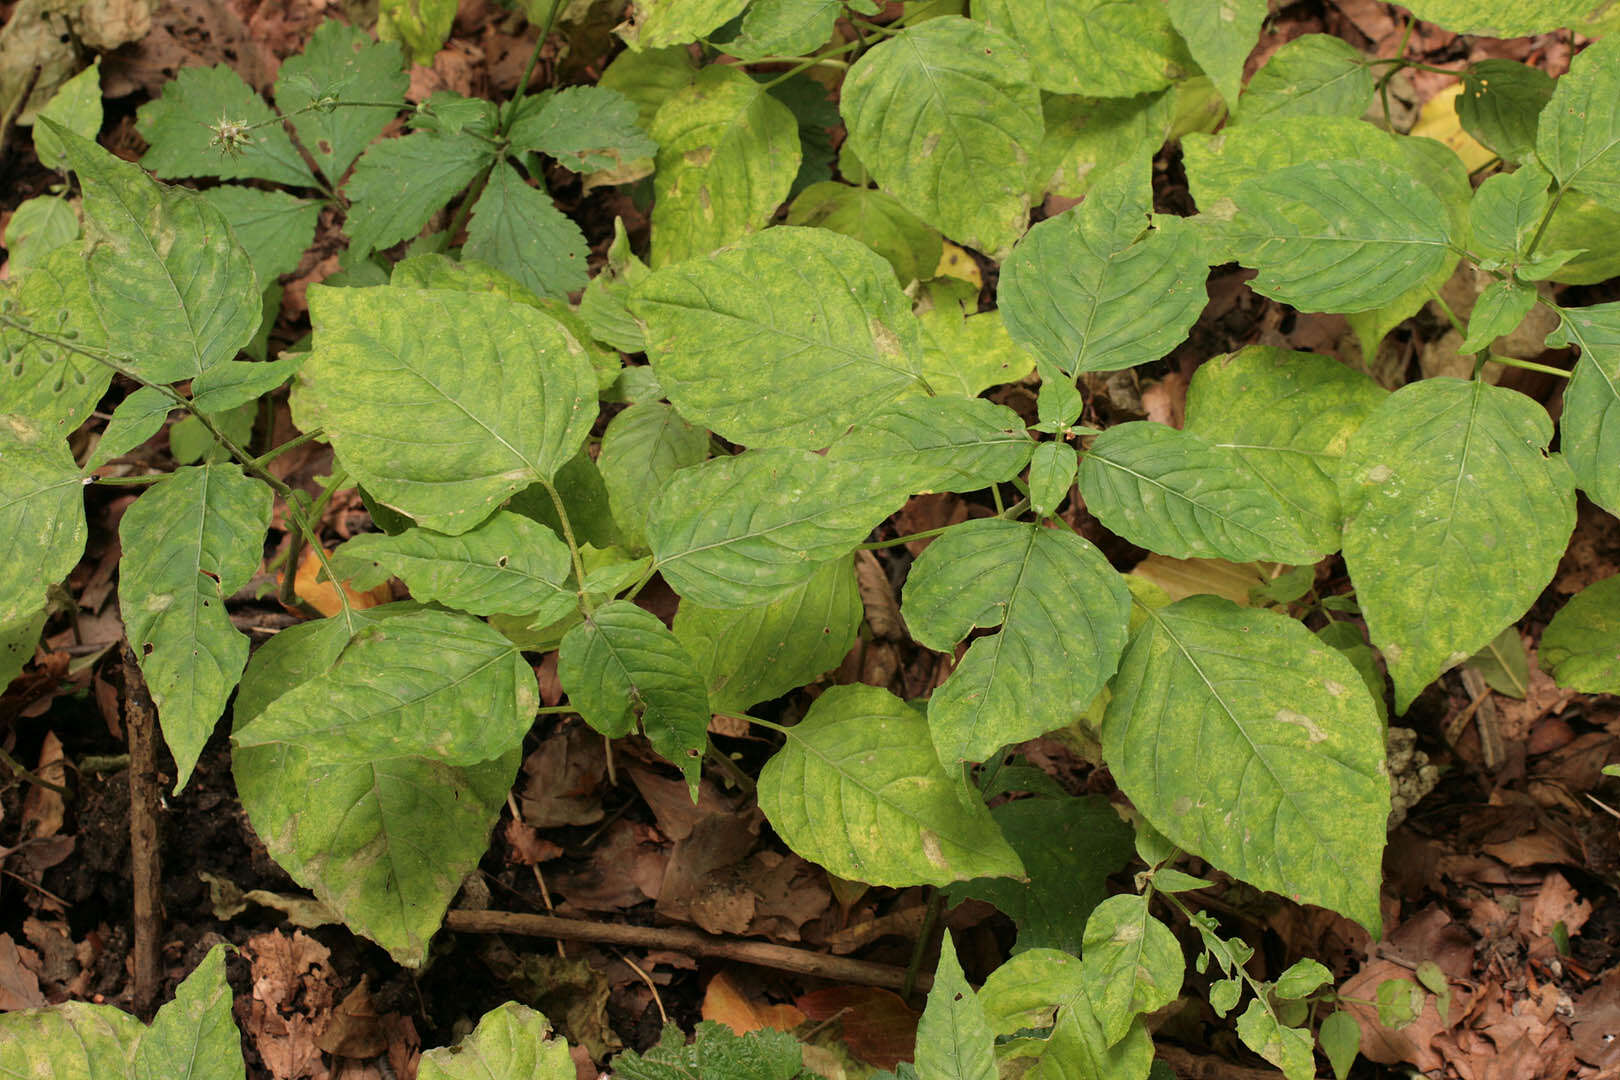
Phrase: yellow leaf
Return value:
(957, 263)
(1438, 120)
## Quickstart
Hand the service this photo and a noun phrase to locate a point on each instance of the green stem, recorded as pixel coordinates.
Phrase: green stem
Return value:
(1248, 980)
(1451, 316)
(299, 440)
(936, 904)
(1530, 365)
(635, 590)
(810, 63)
(876, 28)
(528, 70)
(1415, 66)
(1546, 219)
(32, 777)
(762, 723)
(554, 710)
(318, 106)
(465, 209)
(739, 779)
(573, 545)
(128, 481)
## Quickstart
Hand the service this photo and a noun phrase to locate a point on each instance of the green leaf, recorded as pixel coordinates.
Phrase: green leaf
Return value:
(41, 515)
(816, 114)
(737, 531)
(342, 62)
(585, 128)
(944, 443)
(622, 664)
(642, 447)
(1069, 848)
(954, 1040)
(511, 1042)
(946, 117)
(501, 388)
(1286, 418)
(1103, 48)
(17, 641)
(1504, 664)
(1506, 211)
(605, 305)
(274, 228)
(856, 790)
(1340, 1037)
(37, 227)
(1087, 137)
(785, 28)
(183, 126)
(1501, 307)
(1581, 646)
(1094, 289)
(1500, 104)
(55, 386)
(1455, 519)
(164, 269)
(1290, 1049)
(1579, 135)
(70, 1041)
(649, 78)
(1133, 963)
(190, 540)
(1312, 75)
(657, 23)
(1591, 420)
(76, 105)
(1302, 979)
(1251, 744)
(584, 497)
(137, 418)
(966, 354)
(727, 155)
(785, 338)
(227, 386)
(423, 25)
(1062, 610)
(1051, 475)
(1576, 220)
(876, 219)
(1025, 993)
(516, 228)
(194, 1037)
(716, 1053)
(398, 184)
(1504, 18)
(1220, 37)
(1078, 1049)
(1185, 497)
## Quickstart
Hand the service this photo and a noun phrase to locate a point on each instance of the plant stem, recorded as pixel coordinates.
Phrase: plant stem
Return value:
(813, 61)
(554, 710)
(465, 209)
(32, 777)
(1530, 365)
(739, 779)
(810, 63)
(128, 481)
(936, 904)
(299, 440)
(1546, 219)
(877, 28)
(528, 70)
(573, 546)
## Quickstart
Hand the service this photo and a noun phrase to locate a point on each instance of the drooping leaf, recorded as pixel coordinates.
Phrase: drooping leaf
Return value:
(947, 119)
(657, 23)
(53, 385)
(857, 790)
(1455, 519)
(785, 338)
(954, 1040)
(716, 1053)
(876, 219)
(1500, 104)
(1578, 138)
(183, 125)
(137, 418)
(423, 25)
(1133, 963)
(622, 665)
(497, 392)
(1220, 37)
(1506, 18)
(1087, 137)
(398, 184)
(727, 155)
(1340, 1037)
(1575, 221)
(511, 1041)
(41, 515)
(273, 227)
(1581, 646)
(77, 107)
(1591, 420)
(1094, 289)
(1062, 610)
(163, 267)
(190, 541)
(1250, 743)
(1103, 48)
(642, 448)
(516, 228)
(227, 386)
(585, 128)
(341, 62)
(943, 443)
(37, 227)
(194, 1037)
(1313, 75)
(1290, 1049)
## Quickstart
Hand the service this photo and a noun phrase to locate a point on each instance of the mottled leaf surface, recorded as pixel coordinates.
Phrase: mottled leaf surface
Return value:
(343, 62)
(875, 218)
(1501, 103)
(585, 128)
(194, 1036)
(71, 1041)
(954, 1040)
(1591, 420)
(1220, 34)
(642, 448)
(657, 23)
(511, 1042)
(42, 526)
(273, 227)
(1104, 48)
(1581, 646)
(943, 443)
(1133, 963)
(516, 228)
(1312, 75)
(1505, 18)
(1578, 137)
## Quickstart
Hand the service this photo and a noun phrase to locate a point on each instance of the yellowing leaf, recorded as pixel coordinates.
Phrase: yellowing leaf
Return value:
(1438, 120)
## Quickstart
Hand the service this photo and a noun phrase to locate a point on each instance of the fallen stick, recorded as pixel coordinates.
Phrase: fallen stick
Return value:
(758, 953)
(140, 728)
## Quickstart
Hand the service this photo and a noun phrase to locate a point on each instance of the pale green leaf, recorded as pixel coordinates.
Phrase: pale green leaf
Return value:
(785, 338)
(70, 1041)
(1312, 75)
(737, 531)
(947, 119)
(342, 62)
(423, 25)
(642, 447)
(605, 305)
(1183, 496)
(966, 354)
(511, 1042)
(1591, 420)
(1062, 610)
(1255, 746)
(55, 386)
(76, 105)
(1086, 137)
(1286, 417)
(649, 78)
(496, 391)
(516, 228)
(1045, 989)
(137, 418)
(1051, 475)
(1500, 104)
(1094, 289)
(1220, 36)
(944, 443)
(273, 227)
(1455, 519)
(37, 227)
(1340, 1037)
(857, 790)
(785, 28)
(1506, 18)
(876, 219)
(656, 23)
(17, 642)
(190, 541)
(1290, 1049)
(727, 155)
(183, 126)
(398, 184)
(954, 1040)
(1024, 993)
(1103, 48)
(1581, 646)
(1302, 979)
(164, 269)
(227, 386)
(752, 654)
(1501, 307)
(586, 128)
(1579, 135)
(1133, 963)
(41, 515)
(1504, 664)
(1078, 1050)
(622, 665)
(194, 1036)
(1576, 221)
(1506, 211)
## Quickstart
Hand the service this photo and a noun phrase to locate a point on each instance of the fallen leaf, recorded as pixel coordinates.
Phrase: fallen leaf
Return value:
(19, 987)
(726, 1003)
(313, 588)
(878, 1026)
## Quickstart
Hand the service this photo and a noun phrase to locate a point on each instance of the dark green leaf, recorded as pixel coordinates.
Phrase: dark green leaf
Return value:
(273, 227)
(585, 128)
(343, 62)
(182, 128)
(517, 229)
(398, 183)
(1312, 75)
(1500, 103)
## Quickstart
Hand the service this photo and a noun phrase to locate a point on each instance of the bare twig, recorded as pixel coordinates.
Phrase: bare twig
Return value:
(140, 725)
